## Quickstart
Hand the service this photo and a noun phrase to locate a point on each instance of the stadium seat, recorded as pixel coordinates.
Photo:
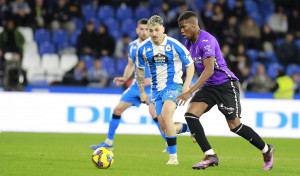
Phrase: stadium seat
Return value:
(291, 68)
(68, 61)
(108, 64)
(89, 61)
(231, 4)
(31, 61)
(257, 18)
(116, 35)
(88, 12)
(36, 76)
(50, 61)
(105, 12)
(155, 3)
(297, 42)
(78, 23)
(60, 37)
(271, 56)
(272, 69)
(53, 75)
(41, 35)
(112, 25)
(251, 6)
(121, 64)
(27, 33)
(31, 48)
(46, 48)
(253, 54)
(279, 41)
(124, 13)
(128, 26)
(266, 7)
(74, 37)
(142, 12)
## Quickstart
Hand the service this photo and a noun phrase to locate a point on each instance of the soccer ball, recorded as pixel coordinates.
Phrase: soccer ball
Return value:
(103, 158)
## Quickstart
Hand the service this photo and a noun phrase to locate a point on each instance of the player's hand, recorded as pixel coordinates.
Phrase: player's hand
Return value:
(144, 98)
(183, 98)
(147, 82)
(119, 80)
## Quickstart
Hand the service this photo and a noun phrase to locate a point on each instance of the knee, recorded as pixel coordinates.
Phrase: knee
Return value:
(118, 111)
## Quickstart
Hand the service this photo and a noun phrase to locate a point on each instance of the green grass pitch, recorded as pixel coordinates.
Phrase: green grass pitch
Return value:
(55, 154)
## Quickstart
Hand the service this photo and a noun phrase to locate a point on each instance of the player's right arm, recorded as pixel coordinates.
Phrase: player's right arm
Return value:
(140, 74)
(127, 73)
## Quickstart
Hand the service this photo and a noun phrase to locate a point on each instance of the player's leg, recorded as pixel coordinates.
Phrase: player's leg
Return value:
(194, 111)
(167, 112)
(181, 127)
(113, 125)
(155, 118)
(230, 106)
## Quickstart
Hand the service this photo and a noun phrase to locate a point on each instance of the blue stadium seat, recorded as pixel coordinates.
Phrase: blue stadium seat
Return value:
(279, 41)
(291, 68)
(74, 37)
(124, 13)
(95, 21)
(108, 64)
(121, 64)
(253, 54)
(231, 4)
(155, 3)
(297, 42)
(89, 61)
(41, 35)
(251, 6)
(271, 56)
(60, 36)
(116, 35)
(88, 12)
(266, 7)
(105, 12)
(128, 26)
(272, 69)
(46, 48)
(62, 46)
(257, 18)
(78, 23)
(142, 12)
(112, 25)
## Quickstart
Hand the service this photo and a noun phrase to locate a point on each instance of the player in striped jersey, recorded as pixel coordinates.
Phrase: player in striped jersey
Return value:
(131, 97)
(217, 85)
(164, 56)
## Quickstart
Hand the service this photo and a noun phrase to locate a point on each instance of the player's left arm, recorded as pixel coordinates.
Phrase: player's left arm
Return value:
(140, 75)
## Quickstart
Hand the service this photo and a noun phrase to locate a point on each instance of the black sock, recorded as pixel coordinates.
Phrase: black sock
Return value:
(249, 134)
(116, 116)
(184, 128)
(197, 131)
(155, 119)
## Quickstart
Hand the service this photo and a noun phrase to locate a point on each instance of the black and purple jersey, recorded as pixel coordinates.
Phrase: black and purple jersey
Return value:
(207, 46)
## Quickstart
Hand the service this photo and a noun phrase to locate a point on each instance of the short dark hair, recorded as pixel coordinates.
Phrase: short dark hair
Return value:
(143, 21)
(186, 15)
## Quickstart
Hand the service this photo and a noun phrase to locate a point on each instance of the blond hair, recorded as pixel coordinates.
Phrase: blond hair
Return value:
(154, 20)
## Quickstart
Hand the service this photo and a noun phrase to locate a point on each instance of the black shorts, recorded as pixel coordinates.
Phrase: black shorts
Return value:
(226, 96)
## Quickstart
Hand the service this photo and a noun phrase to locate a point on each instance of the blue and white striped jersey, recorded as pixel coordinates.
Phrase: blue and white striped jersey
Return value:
(132, 51)
(165, 61)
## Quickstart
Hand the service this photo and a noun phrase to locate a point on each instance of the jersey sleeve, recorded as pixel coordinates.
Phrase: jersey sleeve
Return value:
(208, 48)
(183, 54)
(140, 61)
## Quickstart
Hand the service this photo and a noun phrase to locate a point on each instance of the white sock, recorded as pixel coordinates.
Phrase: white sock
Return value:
(209, 152)
(266, 148)
(174, 155)
(109, 141)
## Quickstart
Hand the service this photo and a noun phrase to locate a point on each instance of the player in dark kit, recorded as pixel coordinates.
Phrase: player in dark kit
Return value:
(219, 87)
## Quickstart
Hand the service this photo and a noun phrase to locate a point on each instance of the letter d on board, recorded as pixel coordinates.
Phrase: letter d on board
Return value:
(86, 114)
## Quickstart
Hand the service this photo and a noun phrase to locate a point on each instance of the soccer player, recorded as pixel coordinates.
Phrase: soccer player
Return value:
(219, 87)
(131, 97)
(164, 56)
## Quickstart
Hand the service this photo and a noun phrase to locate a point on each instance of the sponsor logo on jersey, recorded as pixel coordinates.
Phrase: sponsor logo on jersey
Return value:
(160, 59)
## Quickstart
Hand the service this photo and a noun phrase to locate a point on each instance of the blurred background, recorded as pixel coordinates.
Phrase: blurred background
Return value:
(83, 43)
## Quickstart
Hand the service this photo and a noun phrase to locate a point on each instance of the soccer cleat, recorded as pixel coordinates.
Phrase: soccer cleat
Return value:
(209, 160)
(103, 144)
(173, 160)
(268, 158)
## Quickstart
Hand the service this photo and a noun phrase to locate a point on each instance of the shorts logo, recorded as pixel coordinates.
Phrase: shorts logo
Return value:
(172, 93)
(228, 109)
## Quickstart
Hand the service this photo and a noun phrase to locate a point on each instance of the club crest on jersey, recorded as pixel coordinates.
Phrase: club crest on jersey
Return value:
(168, 47)
(160, 59)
